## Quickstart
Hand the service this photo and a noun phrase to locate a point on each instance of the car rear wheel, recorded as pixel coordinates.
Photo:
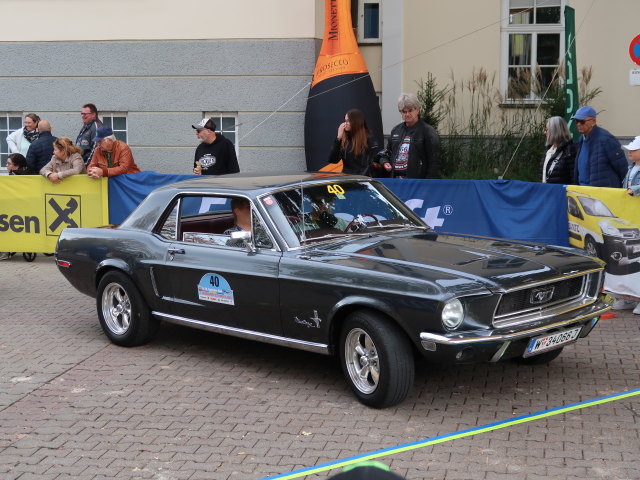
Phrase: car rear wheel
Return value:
(376, 359)
(541, 358)
(123, 313)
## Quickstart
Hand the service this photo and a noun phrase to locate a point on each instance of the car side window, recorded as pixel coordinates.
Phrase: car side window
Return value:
(210, 220)
(168, 229)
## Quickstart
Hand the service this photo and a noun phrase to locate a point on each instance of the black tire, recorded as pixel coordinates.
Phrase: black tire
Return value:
(540, 359)
(592, 247)
(377, 359)
(29, 256)
(124, 315)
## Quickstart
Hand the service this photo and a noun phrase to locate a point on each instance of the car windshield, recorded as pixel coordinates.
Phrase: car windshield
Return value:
(594, 207)
(336, 210)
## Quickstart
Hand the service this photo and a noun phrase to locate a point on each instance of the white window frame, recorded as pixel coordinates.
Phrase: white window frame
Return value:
(534, 30)
(361, 23)
(121, 134)
(5, 133)
(217, 117)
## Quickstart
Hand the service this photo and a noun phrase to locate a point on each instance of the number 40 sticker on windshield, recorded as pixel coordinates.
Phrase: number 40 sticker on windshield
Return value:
(337, 190)
(214, 288)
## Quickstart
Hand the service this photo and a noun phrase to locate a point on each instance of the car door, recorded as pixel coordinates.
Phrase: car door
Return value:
(213, 281)
(225, 285)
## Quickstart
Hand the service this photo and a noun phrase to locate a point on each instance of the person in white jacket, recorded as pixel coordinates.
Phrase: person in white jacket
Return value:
(20, 140)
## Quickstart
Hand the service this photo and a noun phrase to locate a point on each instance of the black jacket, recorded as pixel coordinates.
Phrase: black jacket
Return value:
(217, 158)
(560, 166)
(40, 151)
(22, 171)
(354, 164)
(424, 149)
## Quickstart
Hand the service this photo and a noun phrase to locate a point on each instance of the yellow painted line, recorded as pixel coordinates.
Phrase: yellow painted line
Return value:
(453, 436)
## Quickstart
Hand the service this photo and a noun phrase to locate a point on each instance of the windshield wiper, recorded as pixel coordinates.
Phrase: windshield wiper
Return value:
(328, 236)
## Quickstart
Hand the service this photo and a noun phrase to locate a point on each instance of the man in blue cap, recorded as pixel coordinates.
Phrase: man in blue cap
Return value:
(600, 161)
(111, 156)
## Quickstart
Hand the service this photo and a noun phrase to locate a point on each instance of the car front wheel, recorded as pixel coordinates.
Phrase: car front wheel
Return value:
(591, 247)
(123, 312)
(376, 359)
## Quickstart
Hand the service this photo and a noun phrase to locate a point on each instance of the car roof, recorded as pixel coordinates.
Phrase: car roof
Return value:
(250, 185)
(255, 183)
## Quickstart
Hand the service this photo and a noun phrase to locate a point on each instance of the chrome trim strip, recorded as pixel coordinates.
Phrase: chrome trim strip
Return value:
(482, 336)
(498, 355)
(557, 278)
(242, 333)
(152, 275)
(529, 316)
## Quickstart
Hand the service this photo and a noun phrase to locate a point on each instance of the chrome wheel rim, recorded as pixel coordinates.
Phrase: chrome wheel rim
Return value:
(361, 358)
(116, 308)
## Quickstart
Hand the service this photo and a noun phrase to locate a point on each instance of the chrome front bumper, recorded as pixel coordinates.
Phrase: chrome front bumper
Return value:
(584, 315)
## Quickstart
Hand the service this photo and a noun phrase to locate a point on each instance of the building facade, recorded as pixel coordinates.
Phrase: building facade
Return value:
(154, 68)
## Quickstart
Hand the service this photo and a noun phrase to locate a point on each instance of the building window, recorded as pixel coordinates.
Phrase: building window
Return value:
(226, 124)
(369, 26)
(9, 122)
(532, 46)
(118, 123)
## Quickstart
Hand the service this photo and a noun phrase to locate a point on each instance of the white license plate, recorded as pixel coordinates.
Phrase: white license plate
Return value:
(549, 342)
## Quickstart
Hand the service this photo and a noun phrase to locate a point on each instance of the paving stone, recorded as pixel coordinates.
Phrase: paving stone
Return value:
(197, 405)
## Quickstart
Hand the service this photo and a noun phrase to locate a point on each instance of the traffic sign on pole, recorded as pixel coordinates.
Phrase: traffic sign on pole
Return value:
(634, 50)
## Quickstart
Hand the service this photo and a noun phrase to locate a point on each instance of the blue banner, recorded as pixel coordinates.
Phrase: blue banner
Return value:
(533, 212)
(126, 192)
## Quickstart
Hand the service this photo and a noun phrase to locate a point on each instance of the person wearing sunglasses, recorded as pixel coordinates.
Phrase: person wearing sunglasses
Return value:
(600, 161)
(216, 154)
(90, 125)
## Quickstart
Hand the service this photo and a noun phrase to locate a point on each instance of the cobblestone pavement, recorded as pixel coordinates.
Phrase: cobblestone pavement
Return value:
(194, 405)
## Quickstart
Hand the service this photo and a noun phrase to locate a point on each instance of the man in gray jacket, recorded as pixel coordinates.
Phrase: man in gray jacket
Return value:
(90, 124)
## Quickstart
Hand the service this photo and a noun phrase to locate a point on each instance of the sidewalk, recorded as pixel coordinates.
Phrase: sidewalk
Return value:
(195, 405)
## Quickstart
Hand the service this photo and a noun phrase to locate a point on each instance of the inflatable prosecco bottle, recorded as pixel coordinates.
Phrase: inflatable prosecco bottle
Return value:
(341, 82)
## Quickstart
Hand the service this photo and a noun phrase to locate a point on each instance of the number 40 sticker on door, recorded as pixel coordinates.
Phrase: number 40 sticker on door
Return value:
(214, 288)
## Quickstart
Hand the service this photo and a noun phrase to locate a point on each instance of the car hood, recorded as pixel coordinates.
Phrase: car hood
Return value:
(616, 222)
(495, 263)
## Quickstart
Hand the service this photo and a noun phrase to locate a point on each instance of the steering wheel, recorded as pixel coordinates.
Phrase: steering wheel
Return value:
(356, 219)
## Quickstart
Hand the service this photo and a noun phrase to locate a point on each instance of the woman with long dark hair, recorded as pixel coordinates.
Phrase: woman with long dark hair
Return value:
(355, 144)
(17, 165)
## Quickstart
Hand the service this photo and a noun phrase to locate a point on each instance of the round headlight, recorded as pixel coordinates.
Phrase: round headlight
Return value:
(452, 314)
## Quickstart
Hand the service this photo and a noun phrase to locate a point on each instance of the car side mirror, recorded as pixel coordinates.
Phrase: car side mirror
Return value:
(246, 237)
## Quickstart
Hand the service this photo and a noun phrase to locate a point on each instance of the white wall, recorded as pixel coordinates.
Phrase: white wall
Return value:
(86, 20)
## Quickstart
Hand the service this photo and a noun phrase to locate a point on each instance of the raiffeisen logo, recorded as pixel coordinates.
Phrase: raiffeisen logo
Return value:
(62, 211)
(430, 217)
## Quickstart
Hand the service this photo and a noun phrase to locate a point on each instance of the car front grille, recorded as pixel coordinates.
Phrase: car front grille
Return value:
(630, 233)
(532, 303)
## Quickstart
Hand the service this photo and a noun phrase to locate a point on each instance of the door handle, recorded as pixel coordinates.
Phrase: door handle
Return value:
(173, 251)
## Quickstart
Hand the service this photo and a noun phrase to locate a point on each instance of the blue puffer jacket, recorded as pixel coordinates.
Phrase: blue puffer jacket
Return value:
(40, 152)
(607, 164)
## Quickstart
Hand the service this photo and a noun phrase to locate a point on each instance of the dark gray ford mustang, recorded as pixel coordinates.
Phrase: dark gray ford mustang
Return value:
(334, 264)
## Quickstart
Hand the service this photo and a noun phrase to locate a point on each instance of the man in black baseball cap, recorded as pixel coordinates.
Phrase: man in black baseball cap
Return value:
(215, 155)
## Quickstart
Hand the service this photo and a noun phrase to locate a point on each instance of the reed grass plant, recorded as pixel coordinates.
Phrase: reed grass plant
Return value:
(484, 136)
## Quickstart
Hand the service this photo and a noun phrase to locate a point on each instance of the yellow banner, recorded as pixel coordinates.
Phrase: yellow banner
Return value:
(33, 211)
(605, 222)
